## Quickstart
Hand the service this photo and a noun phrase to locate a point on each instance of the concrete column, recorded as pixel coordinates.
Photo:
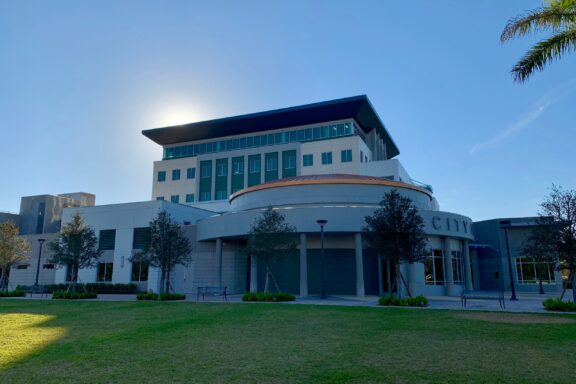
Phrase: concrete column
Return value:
(380, 277)
(253, 274)
(359, 265)
(448, 275)
(218, 261)
(467, 266)
(413, 276)
(303, 265)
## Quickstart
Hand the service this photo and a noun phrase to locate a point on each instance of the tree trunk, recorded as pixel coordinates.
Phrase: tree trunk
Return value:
(168, 282)
(4, 279)
(162, 281)
(267, 280)
(388, 277)
(405, 285)
(398, 290)
(541, 286)
(573, 286)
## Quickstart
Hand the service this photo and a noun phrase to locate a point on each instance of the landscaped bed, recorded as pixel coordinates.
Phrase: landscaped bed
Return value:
(142, 342)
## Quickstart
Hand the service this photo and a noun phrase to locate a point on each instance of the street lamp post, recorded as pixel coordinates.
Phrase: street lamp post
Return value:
(41, 242)
(505, 225)
(322, 223)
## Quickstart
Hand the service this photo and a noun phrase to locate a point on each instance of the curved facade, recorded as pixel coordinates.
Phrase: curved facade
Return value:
(344, 201)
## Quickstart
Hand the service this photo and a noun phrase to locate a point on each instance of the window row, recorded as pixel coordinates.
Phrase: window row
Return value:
(326, 157)
(299, 135)
(104, 272)
(531, 272)
(190, 174)
(434, 267)
(189, 198)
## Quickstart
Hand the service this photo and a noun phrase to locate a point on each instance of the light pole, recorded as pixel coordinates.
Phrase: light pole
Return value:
(322, 223)
(41, 242)
(505, 225)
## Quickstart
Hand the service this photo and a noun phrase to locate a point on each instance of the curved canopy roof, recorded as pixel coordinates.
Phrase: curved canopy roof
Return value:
(357, 107)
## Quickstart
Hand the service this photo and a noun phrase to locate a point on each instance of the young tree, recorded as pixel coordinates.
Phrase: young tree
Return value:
(13, 250)
(76, 248)
(269, 238)
(560, 206)
(540, 247)
(396, 232)
(166, 247)
(558, 17)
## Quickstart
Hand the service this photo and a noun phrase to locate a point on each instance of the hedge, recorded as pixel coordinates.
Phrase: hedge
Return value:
(559, 305)
(15, 293)
(163, 296)
(416, 301)
(73, 295)
(269, 297)
(103, 288)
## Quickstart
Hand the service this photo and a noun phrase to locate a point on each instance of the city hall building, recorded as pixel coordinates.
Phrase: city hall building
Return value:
(328, 161)
(332, 161)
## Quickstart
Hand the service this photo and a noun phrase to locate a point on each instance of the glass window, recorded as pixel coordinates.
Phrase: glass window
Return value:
(221, 195)
(457, 266)
(161, 176)
(326, 157)
(346, 155)
(175, 174)
(530, 271)
(140, 271)
(160, 198)
(191, 173)
(308, 160)
(289, 162)
(206, 171)
(238, 167)
(141, 238)
(434, 268)
(190, 198)
(271, 163)
(205, 196)
(107, 239)
(104, 271)
(221, 169)
(254, 166)
(175, 199)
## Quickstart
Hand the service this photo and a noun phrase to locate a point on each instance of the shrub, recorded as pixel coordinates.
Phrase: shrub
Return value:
(559, 305)
(73, 295)
(103, 288)
(163, 296)
(416, 301)
(270, 297)
(16, 293)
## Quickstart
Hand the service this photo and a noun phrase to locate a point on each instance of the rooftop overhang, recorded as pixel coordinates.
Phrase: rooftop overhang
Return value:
(358, 108)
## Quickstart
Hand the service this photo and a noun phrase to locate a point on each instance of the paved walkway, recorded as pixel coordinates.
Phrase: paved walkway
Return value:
(525, 303)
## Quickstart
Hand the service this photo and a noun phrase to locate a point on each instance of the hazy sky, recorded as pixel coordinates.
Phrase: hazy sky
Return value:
(80, 80)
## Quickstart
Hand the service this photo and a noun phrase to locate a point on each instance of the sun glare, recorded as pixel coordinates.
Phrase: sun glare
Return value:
(177, 116)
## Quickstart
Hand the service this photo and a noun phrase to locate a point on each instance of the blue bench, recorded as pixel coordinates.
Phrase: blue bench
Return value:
(39, 289)
(466, 295)
(212, 291)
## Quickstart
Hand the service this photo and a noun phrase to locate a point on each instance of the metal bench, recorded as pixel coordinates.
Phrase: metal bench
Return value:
(212, 291)
(472, 295)
(39, 289)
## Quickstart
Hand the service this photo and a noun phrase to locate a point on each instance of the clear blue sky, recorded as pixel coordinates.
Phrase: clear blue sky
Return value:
(79, 80)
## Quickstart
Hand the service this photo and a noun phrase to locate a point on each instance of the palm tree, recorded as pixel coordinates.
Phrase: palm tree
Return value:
(558, 17)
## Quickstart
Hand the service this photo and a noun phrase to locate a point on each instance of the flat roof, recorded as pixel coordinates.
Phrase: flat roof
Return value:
(358, 108)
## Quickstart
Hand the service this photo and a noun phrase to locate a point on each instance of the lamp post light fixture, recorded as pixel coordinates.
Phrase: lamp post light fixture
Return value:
(41, 242)
(505, 224)
(322, 223)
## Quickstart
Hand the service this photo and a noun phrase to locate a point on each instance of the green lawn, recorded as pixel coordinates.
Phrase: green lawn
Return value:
(151, 342)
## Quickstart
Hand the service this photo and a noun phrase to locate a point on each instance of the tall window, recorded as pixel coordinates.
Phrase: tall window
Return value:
(434, 267)
(139, 271)
(104, 271)
(206, 171)
(161, 176)
(326, 157)
(141, 238)
(221, 169)
(238, 167)
(271, 163)
(175, 174)
(346, 156)
(457, 266)
(221, 195)
(308, 160)
(191, 173)
(107, 239)
(254, 166)
(529, 271)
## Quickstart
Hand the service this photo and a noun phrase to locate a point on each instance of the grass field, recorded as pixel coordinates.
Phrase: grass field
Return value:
(151, 342)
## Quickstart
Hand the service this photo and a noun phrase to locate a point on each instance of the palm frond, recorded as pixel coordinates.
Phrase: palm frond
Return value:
(543, 52)
(554, 19)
